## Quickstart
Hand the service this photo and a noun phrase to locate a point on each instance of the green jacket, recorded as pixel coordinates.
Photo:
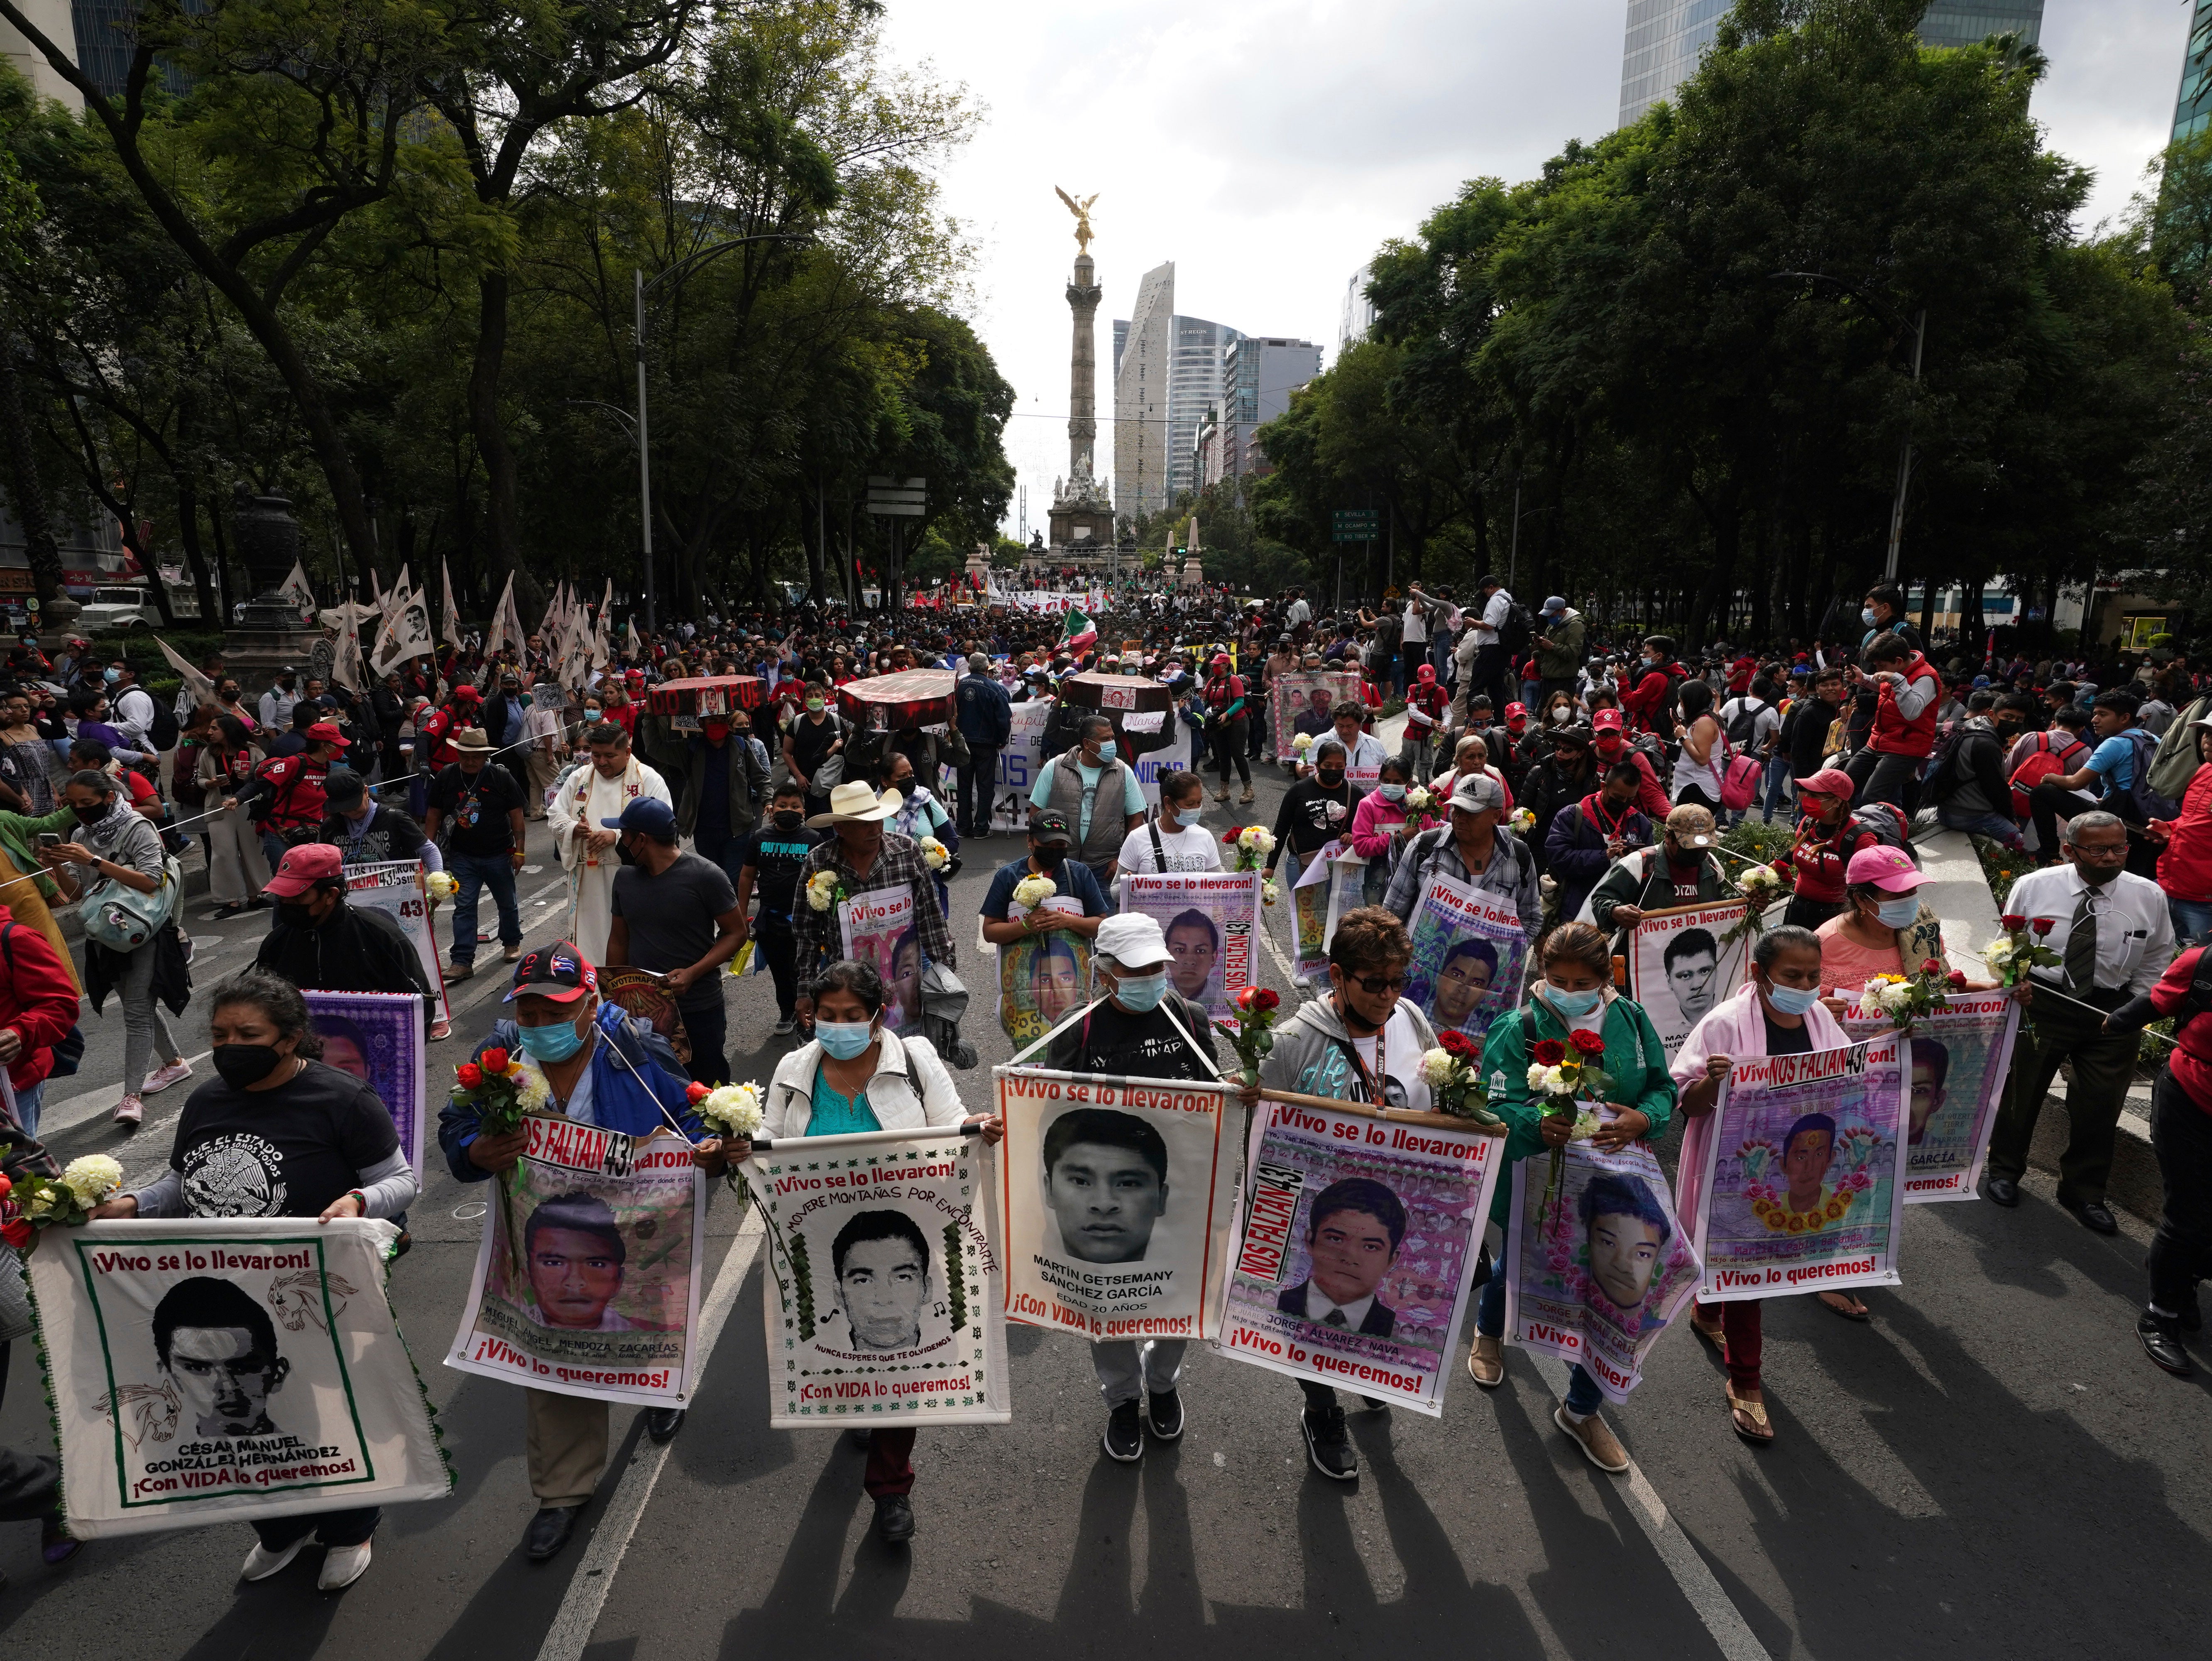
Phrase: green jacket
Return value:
(19, 835)
(1641, 880)
(1563, 659)
(1634, 1058)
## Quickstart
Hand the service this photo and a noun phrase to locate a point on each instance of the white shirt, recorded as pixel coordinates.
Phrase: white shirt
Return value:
(2135, 932)
(1417, 622)
(1365, 750)
(1193, 848)
(1494, 616)
(1299, 613)
(134, 715)
(1318, 1307)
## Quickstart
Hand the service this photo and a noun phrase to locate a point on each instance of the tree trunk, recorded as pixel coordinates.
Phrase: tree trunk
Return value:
(188, 532)
(502, 534)
(27, 491)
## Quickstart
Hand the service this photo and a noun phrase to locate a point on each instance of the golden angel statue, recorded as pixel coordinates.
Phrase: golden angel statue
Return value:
(1082, 212)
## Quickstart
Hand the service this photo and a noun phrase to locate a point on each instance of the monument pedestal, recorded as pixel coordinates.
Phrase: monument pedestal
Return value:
(255, 655)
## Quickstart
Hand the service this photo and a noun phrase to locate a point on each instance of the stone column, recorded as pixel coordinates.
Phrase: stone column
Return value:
(1083, 296)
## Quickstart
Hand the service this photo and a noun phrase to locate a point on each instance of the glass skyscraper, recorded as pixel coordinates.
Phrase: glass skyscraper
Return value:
(1666, 38)
(2192, 107)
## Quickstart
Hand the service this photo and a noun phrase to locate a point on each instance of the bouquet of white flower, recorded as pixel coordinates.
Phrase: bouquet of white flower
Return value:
(1269, 894)
(1030, 892)
(1252, 843)
(823, 890)
(39, 1202)
(1519, 821)
(1303, 743)
(934, 853)
(441, 885)
(734, 1110)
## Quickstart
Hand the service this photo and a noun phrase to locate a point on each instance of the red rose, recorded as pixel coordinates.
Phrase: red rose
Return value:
(1958, 979)
(1243, 1000)
(1458, 1047)
(1262, 998)
(17, 1233)
(1547, 1052)
(2012, 923)
(494, 1061)
(1931, 966)
(7, 1186)
(469, 1075)
(1234, 831)
(2044, 925)
(696, 1092)
(1586, 1041)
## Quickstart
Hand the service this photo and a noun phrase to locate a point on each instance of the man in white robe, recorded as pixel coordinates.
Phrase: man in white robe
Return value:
(615, 779)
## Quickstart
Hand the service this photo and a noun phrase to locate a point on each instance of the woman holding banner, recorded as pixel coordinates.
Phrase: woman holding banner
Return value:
(1576, 994)
(1779, 1013)
(1883, 928)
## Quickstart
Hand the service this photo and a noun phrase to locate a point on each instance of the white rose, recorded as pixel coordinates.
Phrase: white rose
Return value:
(1537, 1073)
(92, 1177)
(1438, 1067)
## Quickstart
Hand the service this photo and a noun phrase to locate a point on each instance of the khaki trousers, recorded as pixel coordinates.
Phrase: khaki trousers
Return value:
(566, 1447)
(544, 772)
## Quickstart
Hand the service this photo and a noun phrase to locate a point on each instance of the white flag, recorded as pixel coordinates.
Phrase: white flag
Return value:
(406, 631)
(295, 588)
(496, 637)
(452, 636)
(203, 689)
(634, 646)
(346, 669)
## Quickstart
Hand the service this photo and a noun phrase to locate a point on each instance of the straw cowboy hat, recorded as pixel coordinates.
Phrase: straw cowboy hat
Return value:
(473, 740)
(856, 804)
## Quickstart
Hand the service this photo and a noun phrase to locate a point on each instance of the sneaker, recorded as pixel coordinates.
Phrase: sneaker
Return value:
(1327, 1448)
(175, 1073)
(1124, 1439)
(1597, 1443)
(261, 1562)
(1485, 1362)
(457, 970)
(785, 1027)
(1164, 1410)
(129, 1111)
(894, 1519)
(341, 1567)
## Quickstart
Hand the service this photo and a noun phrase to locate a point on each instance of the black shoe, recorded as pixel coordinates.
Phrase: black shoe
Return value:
(2092, 1215)
(1164, 1412)
(2002, 1190)
(894, 1519)
(1374, 1406)
(1124, 1439)
(1326, 1446)
(548, 1531)
(2161, 1342)
(662, 1423)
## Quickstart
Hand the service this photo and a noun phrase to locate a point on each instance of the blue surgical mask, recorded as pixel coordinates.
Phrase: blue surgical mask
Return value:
(843, 1040)
(1793, 1000)
(1866, 615)
(555, 1043)
(1106, 750)
(111, 675)
(1393, 792)
(1142, 993)
(1899, 913)
(1572, 1003)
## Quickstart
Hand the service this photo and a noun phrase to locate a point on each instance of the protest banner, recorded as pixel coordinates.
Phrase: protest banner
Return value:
(1305, 692)
(1380, 1218)
(587, 1276)
(1598, 1275)
(1310, 918)
(1960, 1055)
(378, 1037)
(396, 888)
(1042, 977)
(1802, 1187)
(1679, 968)
(1119, 1196)
(913, 1322)
(1470, 953)
(878, 928)
(1021, 760)
(163, 1421)
(1211, 920)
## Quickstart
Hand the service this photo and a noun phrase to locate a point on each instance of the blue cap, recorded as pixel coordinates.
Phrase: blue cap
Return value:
(647, 813)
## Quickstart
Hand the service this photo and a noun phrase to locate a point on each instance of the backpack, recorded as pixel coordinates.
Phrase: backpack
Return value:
(1886, 825)
(1744, 723)
(2044, 761)
(163, 733)
(1939, 779)
(1516, 630)
(2141, 792)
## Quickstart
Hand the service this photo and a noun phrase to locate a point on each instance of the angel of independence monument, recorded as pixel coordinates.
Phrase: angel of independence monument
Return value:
(1082, 515)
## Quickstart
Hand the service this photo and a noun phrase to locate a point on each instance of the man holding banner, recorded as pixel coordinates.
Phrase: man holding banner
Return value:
(1471, 850)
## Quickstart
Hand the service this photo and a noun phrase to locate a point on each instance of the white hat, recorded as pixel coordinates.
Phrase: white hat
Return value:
(1133, 940)
(856, 804)
(1477, 793)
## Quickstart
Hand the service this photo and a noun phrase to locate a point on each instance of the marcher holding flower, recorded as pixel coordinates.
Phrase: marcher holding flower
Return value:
(278, 1134)
(1315, 812)
(1576, 998)
(1884, 928)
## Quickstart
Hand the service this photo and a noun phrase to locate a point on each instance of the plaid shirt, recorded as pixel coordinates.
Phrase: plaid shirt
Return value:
(815, 934)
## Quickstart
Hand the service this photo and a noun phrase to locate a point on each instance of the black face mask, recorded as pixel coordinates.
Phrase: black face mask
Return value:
(789, 821)
(297, 913)
(622, 853)
(1049, 860)
(243, 1064)
(94, 815)
(1330, 781)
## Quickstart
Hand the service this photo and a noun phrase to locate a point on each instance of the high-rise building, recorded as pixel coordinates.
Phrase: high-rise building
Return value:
(1358, 314)
(1120, 339)
(1666, 38)
(51, 19)
(2193, 106)
(1194, 388)
(1258, 376)
(1143, 347)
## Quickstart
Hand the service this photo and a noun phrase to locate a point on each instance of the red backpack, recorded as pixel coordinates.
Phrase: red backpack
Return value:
(2045, 761)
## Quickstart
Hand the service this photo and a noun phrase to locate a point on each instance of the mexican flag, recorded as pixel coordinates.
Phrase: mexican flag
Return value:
(1082, 632)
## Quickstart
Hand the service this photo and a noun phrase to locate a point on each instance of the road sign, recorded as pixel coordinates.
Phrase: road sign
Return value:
(893, 498)
(1358, 524)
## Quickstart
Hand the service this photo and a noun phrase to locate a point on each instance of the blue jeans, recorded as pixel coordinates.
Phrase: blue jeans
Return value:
(2192, 922)
(1777, 774)
(1584, 1395)
(26, 1107)
(476, 873)
(1998, 827)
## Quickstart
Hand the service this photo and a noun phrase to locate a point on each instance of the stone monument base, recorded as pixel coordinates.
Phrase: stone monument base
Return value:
(255, 655)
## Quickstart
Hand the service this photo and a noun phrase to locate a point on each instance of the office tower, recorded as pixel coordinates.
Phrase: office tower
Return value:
(1358, 314)
(1194, 388)
(1143, 350)
(51, 19)
(2193, 106)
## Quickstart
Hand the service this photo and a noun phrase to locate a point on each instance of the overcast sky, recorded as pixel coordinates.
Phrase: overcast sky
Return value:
(1269, 148)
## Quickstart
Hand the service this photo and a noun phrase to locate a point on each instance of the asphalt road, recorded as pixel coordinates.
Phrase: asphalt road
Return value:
(1991, 1467)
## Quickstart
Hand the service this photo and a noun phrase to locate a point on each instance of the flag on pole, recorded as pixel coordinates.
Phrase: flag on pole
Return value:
(295, 588)
(406, 631)
(1082, 632)
(515, 636)
(496, 637)
(202, 688)
(346, 668)
(600, 651)
(634, 646)
(452, 612)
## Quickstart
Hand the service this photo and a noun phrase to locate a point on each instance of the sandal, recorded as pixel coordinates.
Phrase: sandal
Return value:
(1749, 1418)
(1715, 1335)
(1861, 1315)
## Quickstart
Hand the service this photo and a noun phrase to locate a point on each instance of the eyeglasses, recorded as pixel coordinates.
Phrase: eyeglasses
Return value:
(1375, 985)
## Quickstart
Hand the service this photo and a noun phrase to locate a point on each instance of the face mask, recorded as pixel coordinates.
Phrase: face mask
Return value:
(622, 853)
(1572, 1003)
(243, 1064)
(1393, 792)
(93, 815)
(1562, 716)
(556, 1042)
(1898, 914)
(1331, 779)
(1048, 859)
(591, 715)
(789, 820)
(1793, 1000)
(1866, 615)
(1142, 993)
(111, 675)
(843, 1040)
(1106, 750)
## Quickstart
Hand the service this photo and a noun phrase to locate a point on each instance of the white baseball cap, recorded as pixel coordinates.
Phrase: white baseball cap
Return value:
(1133, 940)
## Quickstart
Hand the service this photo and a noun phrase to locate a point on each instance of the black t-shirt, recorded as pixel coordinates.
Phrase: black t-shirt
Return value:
(779, 857)
(476, 807)
(811, 742)
(1787, 1040)
(1304, 825)
(283, 1152)
(1112, 1042)
(671, 919)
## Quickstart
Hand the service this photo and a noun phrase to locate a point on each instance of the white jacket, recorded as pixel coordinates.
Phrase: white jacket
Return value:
(911, 1089)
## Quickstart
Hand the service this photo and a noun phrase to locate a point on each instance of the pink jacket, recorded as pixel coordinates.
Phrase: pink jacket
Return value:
(1736, 1028)
(1371, 824)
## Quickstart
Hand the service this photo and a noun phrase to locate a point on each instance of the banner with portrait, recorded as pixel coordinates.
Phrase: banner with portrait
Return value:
(888, 1302)
(1211, 920)
(228, 1369)
(378, 1037)
(396, 888)
(1119, 1196)
(1681, 966)
(1958, 1058)
(1803, 1186)
(587, 1276)
(1042, 977)
(878, 928)
(1354, 1265)
(1313, 693)
(1470, 957)
(1600, 1271)
(1021, 762)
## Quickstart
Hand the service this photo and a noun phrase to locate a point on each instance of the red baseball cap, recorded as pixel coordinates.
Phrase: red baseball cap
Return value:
(467, 695)
(1426, 674)
(1828, 782)
(1516, 712)
(558, 971)
(303, 867)
(323, 732)
(1606, 720)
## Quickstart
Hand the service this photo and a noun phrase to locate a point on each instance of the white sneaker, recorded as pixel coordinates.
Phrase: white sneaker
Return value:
(129, 1110)
(261, 1562)
(175, 1073)
(341, 1567)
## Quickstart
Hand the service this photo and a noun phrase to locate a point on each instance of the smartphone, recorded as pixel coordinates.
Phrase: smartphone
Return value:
(49, 839)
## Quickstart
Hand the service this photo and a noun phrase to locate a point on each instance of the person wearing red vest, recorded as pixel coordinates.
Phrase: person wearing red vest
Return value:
(1611, 742)
(1888, 768)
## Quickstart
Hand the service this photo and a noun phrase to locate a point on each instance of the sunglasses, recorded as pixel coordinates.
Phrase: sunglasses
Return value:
(1375, 985)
